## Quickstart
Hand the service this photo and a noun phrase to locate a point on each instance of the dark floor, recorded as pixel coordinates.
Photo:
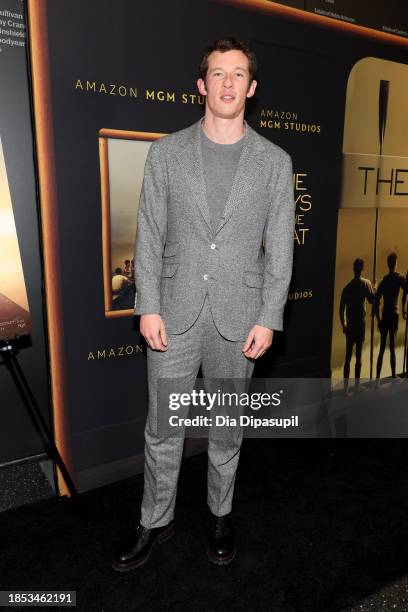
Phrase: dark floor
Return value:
(25, 482)
(321, 526)
(394, 596)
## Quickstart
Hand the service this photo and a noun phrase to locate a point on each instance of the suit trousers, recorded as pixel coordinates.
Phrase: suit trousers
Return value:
(200, 345)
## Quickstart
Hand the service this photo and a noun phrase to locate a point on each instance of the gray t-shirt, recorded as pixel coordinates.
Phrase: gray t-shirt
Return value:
(220, 162)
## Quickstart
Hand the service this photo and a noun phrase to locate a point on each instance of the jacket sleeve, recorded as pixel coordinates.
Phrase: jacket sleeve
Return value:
(151, 233)
(278, 242)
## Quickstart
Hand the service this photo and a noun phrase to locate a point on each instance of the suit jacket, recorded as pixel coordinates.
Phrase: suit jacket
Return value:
(245, 265)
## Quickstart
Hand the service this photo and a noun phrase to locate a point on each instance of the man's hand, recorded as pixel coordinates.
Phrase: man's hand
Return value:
(153, 330)
(261, 337)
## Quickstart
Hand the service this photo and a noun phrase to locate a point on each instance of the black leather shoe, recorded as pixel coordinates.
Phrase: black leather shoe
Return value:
(136, 550)
(221, 547)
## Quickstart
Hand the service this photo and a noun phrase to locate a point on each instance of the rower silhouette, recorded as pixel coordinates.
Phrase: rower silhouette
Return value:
(353, 318)
(388, 291)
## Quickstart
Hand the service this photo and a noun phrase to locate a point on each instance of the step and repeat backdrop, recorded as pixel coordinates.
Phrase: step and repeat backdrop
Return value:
(108, 78)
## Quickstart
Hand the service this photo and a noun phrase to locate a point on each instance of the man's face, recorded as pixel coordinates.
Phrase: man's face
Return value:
(227, 83)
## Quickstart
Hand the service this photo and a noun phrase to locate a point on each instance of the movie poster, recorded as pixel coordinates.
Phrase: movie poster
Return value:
(123, 84)
(14, 309)
(122, 159)
(373, 222)
(22, 311)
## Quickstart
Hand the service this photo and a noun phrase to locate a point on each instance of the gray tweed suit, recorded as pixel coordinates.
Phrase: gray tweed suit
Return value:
(209, 287)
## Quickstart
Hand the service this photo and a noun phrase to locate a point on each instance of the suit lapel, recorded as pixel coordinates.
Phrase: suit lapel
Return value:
(192, 163)
(251, 162)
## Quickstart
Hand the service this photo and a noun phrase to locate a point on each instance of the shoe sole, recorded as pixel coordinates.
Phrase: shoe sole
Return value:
(166, 535)
(217, 561)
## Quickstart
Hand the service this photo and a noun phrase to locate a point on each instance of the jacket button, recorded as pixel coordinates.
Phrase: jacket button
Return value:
(213, 246)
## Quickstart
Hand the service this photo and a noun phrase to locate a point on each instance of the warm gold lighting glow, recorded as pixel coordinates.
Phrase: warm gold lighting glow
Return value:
(11, 272)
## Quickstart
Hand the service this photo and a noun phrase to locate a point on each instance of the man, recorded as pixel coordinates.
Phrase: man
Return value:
(352, 317)
(405, 317)
(208, 292)
(120, 283)
(388, 290)
(127, 269)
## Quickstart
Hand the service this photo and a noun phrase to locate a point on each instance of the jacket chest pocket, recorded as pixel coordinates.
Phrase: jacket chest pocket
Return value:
(253, 279)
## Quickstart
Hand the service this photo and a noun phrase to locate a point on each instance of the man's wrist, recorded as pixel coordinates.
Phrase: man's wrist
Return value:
(272, 320)
(265, 326)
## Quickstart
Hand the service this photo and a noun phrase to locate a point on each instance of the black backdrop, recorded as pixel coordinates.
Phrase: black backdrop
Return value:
(156, 45)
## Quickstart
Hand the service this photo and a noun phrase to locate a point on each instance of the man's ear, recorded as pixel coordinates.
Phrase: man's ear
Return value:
(251, 89)
(201, 87)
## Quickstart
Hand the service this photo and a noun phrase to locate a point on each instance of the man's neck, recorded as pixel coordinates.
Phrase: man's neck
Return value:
(223, 131)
